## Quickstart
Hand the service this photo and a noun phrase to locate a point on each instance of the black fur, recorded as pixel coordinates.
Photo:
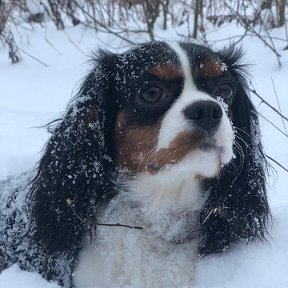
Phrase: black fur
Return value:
(73, 174)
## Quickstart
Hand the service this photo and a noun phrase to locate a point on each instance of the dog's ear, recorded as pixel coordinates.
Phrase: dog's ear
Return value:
(237, 207)
(72, 181)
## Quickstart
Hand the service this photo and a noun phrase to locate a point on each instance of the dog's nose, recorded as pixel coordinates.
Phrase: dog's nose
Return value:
(205, 114)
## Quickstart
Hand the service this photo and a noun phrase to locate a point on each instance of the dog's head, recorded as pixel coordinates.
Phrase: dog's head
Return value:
(175, 107)
(171, 111)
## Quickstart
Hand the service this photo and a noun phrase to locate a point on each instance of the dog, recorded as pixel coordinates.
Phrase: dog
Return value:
(157, 160)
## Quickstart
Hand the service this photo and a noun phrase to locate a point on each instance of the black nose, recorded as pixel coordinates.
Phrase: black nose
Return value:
(206, 114)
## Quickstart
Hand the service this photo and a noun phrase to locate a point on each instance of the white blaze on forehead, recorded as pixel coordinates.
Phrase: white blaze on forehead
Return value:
(185, 65)
(174, 120)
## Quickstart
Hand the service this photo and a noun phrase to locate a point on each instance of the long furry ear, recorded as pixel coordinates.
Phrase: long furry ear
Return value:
(73, 175)
(237, 207)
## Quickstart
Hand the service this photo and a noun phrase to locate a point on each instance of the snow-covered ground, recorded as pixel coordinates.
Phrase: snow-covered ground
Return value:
(31, 95)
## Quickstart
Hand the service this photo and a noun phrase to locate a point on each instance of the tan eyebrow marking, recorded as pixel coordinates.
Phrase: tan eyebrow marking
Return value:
(166, 72)
(211, 69)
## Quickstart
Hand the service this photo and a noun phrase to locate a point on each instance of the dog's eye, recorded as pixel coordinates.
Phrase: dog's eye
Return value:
(153, 94)
(225, 91)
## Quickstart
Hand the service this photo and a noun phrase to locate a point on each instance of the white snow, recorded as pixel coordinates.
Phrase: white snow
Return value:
(16, 278)
(32, 95)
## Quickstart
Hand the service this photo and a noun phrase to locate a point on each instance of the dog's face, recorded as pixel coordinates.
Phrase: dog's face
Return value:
(174, 110)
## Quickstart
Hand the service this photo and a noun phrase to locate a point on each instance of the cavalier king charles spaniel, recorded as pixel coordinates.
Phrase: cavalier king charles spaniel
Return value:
(158, 160)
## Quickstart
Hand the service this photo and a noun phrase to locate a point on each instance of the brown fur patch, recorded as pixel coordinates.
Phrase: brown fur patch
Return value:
(166, 72)
(183, 143)
(199, 177)
(211, 69)
(134, 144)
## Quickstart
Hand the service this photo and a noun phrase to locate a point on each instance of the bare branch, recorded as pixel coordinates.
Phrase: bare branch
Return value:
(120, 225)
(278, 103)
(4, 15)
(34, 58)
(105, 28)
(56, 14)
(276, 162)
(14, 53)
(269, 105)
(247, 25)
(286, 135)
(72, 206)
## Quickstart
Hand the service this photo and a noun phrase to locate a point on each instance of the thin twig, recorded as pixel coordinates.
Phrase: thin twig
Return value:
(72, 206)
(272, 47)
(106, 29)
(286, 135)
(48, 41)
(241, 37)
(286, 33)
(269, 105)
(278, 103)
(4, 22)
(34, 58)
(73, 43)
(120, 225)
(82, 35)
(250, 28)
(276, 162)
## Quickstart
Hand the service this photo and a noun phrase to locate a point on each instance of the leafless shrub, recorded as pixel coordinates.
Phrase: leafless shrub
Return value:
(5, 32)
(55, 14)
(123, 17)
(151, 12)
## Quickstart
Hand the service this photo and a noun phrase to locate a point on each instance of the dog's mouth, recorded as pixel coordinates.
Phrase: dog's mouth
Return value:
(185, 143)
(212, 145)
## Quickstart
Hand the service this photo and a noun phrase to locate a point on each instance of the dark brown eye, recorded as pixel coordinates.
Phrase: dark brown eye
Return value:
(226, 91)
(152, 94)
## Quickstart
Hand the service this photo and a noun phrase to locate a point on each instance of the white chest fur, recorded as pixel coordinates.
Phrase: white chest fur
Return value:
(162, 254)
